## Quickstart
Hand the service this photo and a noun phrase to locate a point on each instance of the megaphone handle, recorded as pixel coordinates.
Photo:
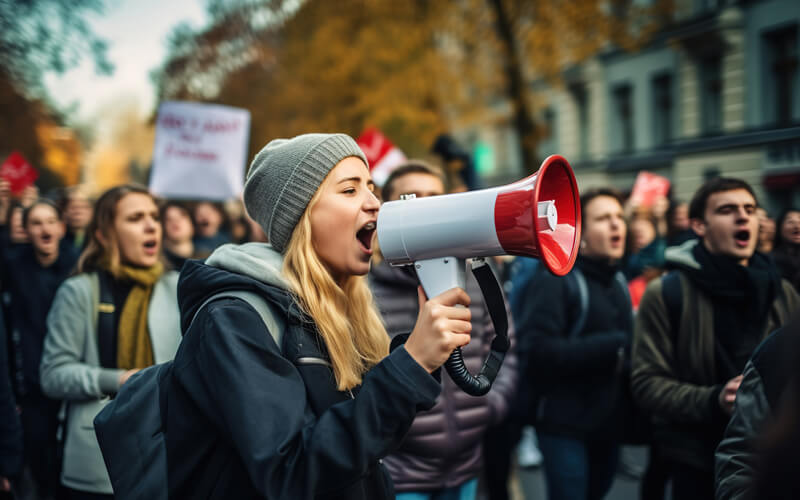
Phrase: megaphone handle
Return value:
(493, 297)
(439, 275)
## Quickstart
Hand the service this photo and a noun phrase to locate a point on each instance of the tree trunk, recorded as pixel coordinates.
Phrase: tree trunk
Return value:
(517, 90)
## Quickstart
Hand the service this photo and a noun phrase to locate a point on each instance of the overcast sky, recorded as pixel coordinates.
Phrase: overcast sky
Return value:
(136, 31)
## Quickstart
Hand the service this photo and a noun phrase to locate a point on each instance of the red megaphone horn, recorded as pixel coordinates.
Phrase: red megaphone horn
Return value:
(538, 216)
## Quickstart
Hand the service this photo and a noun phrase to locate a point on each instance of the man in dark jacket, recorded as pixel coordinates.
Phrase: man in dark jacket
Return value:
(573, 350)
(441, 454)
(697, 327)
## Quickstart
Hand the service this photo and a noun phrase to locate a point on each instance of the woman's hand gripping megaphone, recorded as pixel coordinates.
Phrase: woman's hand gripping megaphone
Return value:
(442, 326)
(538, 216)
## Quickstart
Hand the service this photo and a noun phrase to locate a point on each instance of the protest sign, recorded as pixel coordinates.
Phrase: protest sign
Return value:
(647, 188)
(200, 151)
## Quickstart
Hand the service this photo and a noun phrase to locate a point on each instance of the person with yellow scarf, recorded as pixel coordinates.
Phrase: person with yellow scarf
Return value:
(117, 315)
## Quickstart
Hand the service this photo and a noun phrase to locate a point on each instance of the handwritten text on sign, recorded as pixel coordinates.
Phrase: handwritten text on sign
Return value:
(200, 151)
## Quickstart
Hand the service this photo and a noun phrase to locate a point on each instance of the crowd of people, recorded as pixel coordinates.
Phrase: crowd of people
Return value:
(663, 334)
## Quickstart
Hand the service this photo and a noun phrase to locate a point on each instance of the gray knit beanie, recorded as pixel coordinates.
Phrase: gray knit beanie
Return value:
(284, 177)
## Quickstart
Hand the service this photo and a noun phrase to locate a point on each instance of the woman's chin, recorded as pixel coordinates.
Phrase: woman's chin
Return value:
(143, 262)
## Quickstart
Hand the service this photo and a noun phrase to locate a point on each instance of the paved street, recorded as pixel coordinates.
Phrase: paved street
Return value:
(529, 484)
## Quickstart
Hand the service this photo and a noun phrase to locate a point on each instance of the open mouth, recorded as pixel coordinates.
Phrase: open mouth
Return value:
(742, 238)
(150, 246)
(364, 236)
(46, 238)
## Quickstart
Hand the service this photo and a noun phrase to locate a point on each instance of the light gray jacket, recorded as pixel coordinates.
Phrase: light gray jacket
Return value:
(70, 368)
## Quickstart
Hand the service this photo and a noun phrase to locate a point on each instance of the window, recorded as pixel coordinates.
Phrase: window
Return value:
(711, 172)
(662, 109)
(622, 97)
(780, 75)
(580, 97)
(704, 6)
(548, 144)
(711, 94)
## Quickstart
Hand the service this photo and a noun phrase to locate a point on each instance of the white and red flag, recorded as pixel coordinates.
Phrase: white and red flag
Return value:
(383, 156)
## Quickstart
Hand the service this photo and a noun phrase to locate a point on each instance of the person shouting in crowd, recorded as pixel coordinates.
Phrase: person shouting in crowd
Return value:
(209, 220)
(77, 210)
(574, 340)
(787, 248)
(117, 315)
(312, 416)
(32, 278)
(178, 233)
(441, 456)
(698, 325)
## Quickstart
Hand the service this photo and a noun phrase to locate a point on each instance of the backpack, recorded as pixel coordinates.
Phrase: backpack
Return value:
(520, 271)
(577, 287)
(130, 428)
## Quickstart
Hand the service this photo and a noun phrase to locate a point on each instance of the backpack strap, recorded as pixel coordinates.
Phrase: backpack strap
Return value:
(106, 329)
(672, 295)
(579, 283)
(622, 281)
(269, 315)
(623, 284)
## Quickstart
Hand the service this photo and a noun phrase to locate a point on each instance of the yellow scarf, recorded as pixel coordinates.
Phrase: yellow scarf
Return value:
(134, 349)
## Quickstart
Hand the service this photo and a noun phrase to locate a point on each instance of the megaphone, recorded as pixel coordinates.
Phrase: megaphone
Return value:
(538, 216)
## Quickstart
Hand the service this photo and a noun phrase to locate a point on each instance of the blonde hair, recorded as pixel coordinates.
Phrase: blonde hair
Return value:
(345, 316)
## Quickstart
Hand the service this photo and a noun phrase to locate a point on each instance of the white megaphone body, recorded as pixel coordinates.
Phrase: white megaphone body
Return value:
(538, 216)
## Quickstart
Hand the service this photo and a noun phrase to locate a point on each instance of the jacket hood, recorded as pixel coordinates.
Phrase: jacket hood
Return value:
(682, 256)
(254, 267)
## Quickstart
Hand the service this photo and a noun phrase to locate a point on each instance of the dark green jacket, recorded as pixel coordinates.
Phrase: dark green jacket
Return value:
(674, 372)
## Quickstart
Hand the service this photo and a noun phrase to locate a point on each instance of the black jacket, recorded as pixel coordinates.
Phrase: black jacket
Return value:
(758, 399)
(10, 427)
(577, 383)
(31, 289)
(246, 420)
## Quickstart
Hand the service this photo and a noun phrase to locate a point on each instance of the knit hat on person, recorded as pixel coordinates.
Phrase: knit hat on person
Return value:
(284, 176)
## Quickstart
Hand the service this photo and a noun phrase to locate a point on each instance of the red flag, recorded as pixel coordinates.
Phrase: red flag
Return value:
(18, 172)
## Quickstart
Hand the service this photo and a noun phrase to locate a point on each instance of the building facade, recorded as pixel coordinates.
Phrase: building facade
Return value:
(716, 93)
